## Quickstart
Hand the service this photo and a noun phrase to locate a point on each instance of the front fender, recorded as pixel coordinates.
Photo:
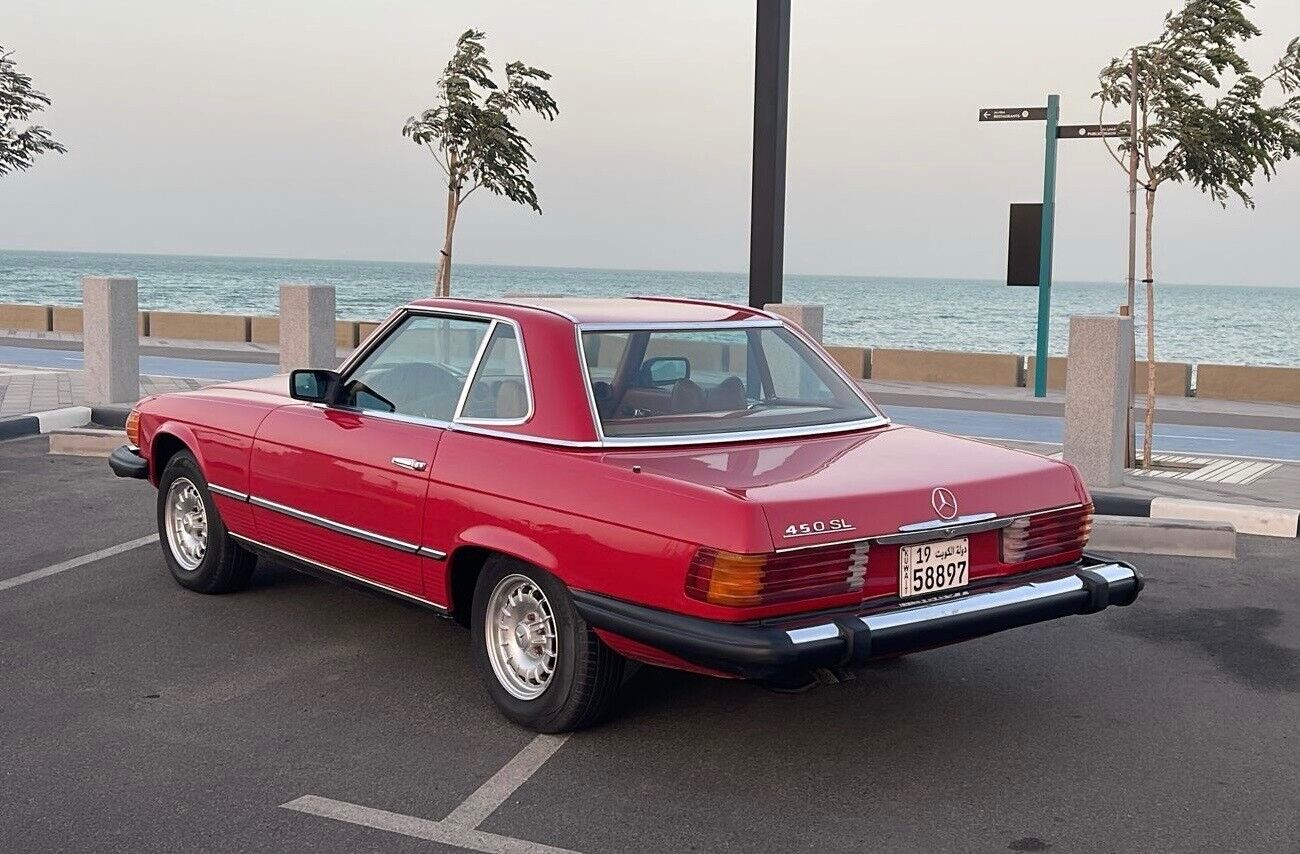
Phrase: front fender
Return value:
(179, 431)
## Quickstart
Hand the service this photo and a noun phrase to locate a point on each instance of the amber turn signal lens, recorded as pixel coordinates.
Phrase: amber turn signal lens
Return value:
(746, 580)
(133, 428)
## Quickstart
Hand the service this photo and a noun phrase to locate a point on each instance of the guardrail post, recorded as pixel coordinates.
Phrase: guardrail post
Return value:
(307, 326)
(110, 342)
(1098, 373)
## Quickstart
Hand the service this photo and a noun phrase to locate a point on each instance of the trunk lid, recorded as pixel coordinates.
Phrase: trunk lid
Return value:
(830, 489)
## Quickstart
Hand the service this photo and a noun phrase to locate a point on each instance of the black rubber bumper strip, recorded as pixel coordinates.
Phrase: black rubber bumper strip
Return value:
(765, 650)
(1115, 504)
(126, 462)
(22, 425)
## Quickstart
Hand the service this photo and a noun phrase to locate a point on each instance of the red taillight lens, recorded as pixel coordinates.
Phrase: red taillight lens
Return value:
(746, 580)
(1055, 532)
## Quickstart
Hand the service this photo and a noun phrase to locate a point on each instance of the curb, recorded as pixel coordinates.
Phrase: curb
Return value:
(44, 422)
(1136, 535)
(1246, 518)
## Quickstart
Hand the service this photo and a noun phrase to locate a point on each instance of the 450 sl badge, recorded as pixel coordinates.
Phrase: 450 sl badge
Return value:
(821, 526)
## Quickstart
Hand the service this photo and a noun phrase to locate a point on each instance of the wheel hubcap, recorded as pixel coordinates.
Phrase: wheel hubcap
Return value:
(521, 640)
(187, 524)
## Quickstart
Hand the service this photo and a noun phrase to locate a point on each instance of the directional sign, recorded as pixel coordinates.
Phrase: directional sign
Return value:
(1091, 131)
(1012, 114)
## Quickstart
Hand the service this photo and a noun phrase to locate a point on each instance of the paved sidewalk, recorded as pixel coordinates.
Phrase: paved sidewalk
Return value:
(28, 390)
(1227, 479)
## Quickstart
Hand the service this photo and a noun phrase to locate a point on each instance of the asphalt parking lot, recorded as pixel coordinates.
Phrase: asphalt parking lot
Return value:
(136, 716)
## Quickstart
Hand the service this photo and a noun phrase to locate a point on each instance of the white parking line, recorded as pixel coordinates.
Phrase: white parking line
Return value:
(420, 828)
(475, 809)
(458, 828)
(36, 574)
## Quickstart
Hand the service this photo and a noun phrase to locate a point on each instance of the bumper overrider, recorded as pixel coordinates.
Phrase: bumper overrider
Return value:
(125, 461)
(777, 649)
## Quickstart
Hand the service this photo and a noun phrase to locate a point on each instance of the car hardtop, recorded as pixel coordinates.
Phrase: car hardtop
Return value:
(602, 311)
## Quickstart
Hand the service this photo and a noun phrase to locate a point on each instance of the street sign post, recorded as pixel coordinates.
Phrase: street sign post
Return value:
(1022, 215)
(1045, 253)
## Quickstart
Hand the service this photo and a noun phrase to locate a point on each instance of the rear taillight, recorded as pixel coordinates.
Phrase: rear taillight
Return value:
(746, 580)
(133, 427)
(1043, 534)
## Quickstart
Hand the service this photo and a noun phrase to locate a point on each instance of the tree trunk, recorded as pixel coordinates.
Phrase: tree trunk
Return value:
(1149, 422)
(443, 282)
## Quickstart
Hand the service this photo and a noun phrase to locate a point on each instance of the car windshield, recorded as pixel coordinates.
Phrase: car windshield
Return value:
(690, 382)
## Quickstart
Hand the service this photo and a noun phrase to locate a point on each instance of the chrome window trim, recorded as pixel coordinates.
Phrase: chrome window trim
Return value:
(660, 325)
(227, 492)
(334, 569)
(477, 366)
(336, 527)
(381, 333)
(878, 420)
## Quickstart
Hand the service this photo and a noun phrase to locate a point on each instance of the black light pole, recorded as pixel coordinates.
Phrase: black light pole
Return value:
(767, 197)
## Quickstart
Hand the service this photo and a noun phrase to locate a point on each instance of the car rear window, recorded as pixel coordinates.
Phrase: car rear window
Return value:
(692, 382)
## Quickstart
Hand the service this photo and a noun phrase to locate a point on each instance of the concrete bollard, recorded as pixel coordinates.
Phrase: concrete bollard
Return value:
(1099, 371)
(307, 326)
(110, 341)
(811, 318)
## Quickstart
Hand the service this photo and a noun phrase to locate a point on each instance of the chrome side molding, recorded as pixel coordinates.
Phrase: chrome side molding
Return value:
(334, 569)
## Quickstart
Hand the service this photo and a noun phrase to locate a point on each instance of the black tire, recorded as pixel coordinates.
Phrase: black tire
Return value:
(225, 566)
(587, 674)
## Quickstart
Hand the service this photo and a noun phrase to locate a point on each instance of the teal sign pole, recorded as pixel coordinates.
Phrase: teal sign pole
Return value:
(1045, 247)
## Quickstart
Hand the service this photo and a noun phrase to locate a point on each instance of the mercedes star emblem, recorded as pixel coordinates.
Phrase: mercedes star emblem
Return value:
(944, 503)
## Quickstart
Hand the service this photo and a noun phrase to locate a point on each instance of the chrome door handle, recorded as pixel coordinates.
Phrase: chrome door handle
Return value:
(408, 463)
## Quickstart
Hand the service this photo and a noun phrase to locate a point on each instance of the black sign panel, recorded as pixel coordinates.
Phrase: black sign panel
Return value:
(1091, 131)
(1012, 114)
(1024, 244)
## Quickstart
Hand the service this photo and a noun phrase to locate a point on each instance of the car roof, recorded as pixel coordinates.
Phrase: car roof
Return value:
(630, 310)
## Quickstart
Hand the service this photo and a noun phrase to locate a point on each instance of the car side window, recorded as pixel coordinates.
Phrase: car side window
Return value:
(499, 390)
(419, 369)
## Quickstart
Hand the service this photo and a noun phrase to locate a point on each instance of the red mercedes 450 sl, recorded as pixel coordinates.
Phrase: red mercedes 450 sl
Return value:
(580, 482)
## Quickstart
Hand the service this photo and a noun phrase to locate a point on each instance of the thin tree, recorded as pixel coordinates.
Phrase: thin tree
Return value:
(20, 142)
(471, 133)
(1202, 120)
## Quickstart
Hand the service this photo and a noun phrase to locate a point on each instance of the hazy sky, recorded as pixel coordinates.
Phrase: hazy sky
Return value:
(273, 128)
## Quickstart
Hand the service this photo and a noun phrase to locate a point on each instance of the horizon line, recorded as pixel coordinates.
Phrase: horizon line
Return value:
(433, 265)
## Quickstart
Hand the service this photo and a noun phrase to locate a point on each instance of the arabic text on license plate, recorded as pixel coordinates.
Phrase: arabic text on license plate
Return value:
(933, 567)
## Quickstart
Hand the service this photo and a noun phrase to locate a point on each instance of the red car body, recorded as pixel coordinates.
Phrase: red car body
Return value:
(634, 529)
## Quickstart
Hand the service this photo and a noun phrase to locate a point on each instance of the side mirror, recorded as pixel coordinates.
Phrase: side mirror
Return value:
(314, 386)
(664, 370)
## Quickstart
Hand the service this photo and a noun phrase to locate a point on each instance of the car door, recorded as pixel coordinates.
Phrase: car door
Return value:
(345, 486)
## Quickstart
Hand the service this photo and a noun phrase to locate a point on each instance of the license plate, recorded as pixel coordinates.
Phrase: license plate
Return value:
(933, 567)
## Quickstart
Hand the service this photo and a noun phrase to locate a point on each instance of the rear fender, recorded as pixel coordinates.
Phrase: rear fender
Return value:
(512, 543)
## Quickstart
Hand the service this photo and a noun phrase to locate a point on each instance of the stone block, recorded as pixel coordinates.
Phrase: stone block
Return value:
(1262, 383)
(856, 361)
(27, 317)
(307, 326)
(1098, 375)
(946, 366)
(811, 318)
(110, 339)
(199, 327)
